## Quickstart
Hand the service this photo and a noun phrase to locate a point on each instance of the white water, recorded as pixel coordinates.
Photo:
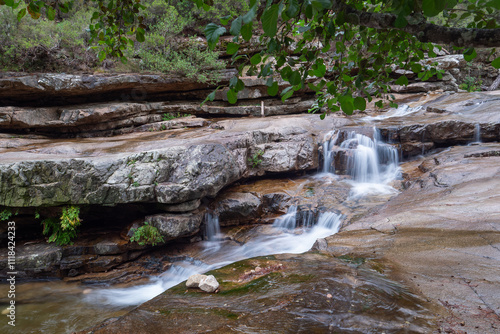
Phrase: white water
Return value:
(373, 164)
(477, 133)
(402, 110)
(281, 238)
(212, 227)
(329, 142)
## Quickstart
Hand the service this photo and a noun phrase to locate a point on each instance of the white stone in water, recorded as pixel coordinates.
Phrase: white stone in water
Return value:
(209, 284)
(194, 280)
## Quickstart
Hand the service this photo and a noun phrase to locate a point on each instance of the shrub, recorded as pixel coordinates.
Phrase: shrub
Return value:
(63, 230)
(147, 235)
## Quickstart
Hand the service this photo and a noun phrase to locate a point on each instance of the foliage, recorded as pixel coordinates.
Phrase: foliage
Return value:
(63, 230)
(147, 235)
(6, 214)
(255, 160)
(348, 51)
(34, 45)
(165, 51)
(171, 116)
(471, 84)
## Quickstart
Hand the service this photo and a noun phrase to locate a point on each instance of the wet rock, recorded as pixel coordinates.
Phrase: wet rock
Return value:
(33, 260)
(237, 208)
(181, 207)
(194, 280)
(155, 168)
(361, 300)
(173, 226)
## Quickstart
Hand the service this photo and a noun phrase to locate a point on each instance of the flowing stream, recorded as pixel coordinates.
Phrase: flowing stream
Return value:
(69, 307)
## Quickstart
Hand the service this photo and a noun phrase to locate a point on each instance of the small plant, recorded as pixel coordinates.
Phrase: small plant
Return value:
(135, 184)
(147, 235)
(131, 162)
(170, 116)
(255, 159)
(471, 84)
(63, 230)
(6, 214)
(163, 127)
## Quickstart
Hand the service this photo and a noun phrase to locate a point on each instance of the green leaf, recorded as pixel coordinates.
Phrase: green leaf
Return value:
(321, 4)
(246, 31)
(293, 8)
(21, 14)
(236, 27)
(139, 36)
(270, 20)
(232, 48)
(213, 32)
(400, 22)
(346, 104)
(433, 7)
(496, 63)
(232, 96)
(470, 54)
(416, 68)
(211, 96)
(9, 3)
(294, 78)
(359, 103)
(233, 81)
(240, 85)
(273, 90)
(402, 81)
(250, 15)
(256, 58)
(495, 4)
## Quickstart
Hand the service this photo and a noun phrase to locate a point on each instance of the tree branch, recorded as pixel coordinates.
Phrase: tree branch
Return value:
(422, 30)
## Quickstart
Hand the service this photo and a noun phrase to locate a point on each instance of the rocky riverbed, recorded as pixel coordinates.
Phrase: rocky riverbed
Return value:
(421, 256)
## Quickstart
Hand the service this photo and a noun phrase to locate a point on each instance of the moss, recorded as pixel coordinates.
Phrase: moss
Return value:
(260, 284)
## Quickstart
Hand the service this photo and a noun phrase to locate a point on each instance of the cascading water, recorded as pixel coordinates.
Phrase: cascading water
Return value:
(282, 241)
(371, 163)
(477, 133)
(372, 160)
(212, 227)
(329, 142)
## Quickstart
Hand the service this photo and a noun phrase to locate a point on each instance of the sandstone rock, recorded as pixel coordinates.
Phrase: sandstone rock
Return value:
(62, 89)
(209, 284)
(173, 226)
(194, 280)
(237, 208)
(33, 260)
(159, 167)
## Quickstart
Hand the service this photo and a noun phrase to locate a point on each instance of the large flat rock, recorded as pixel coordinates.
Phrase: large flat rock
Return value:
(442, 234)
(173, 166)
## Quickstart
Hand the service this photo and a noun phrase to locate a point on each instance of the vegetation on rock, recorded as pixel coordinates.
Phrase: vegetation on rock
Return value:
(65, 229)
(147, 235)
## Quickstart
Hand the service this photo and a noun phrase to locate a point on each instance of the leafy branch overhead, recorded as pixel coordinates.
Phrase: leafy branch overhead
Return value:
(350, 52)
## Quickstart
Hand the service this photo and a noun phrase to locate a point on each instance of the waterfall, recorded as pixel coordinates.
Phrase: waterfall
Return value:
(328, 154)
(212, 227)
(294, 218)
(371, 161)
(477, 133)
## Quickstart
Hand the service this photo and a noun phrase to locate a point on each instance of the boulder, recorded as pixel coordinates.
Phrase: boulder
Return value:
(237, 208)
(209, 284)
(173, 226)
(194, 280)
